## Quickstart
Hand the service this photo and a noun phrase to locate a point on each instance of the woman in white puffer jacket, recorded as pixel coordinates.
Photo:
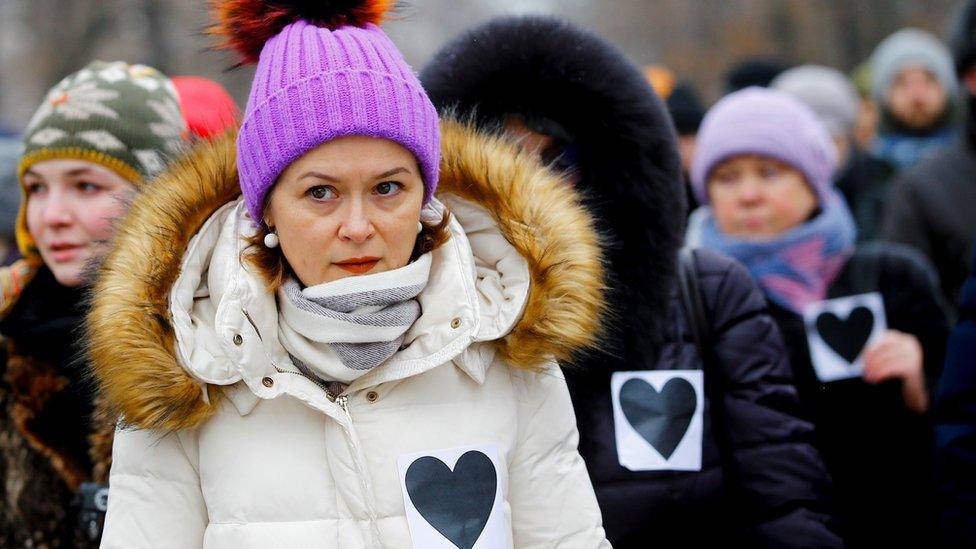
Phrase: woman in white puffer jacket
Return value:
(337, 358)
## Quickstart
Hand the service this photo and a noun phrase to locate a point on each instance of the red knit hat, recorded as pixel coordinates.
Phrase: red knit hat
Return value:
(208, 108)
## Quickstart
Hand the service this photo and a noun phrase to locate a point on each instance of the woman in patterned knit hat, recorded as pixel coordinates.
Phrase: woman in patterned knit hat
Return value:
(99, 134)
(341, 330)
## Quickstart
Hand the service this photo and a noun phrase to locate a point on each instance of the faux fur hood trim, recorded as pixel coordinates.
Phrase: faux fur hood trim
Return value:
(131, 340)
(627, 158)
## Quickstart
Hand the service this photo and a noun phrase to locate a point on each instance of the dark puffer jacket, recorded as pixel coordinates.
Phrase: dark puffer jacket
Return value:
(761, 481)
(878, 453)
(955, 428)
(619, 140)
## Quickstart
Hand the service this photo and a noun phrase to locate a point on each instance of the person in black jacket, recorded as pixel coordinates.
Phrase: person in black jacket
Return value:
(702, 467)
(955, 428)
(930, 206)
(764, 170)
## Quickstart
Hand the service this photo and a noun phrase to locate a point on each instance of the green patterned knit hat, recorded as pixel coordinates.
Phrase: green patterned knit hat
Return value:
(124, 117)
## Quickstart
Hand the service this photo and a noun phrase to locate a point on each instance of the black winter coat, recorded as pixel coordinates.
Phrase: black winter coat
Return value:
(608, 124)
(864, 184)
(761, 482)
(878, 452)
(955, 429)
(931, 207)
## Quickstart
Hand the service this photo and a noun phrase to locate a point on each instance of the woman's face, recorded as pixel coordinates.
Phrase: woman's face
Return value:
(71, 209)
(759, 197)
(348, 207)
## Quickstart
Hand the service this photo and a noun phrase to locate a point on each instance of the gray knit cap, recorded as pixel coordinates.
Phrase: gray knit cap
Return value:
(907, 47)
(827, 91)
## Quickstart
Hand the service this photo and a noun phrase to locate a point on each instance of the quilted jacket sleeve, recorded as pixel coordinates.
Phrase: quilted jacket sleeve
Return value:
(154, 492)
(552, 499)
(781, 481)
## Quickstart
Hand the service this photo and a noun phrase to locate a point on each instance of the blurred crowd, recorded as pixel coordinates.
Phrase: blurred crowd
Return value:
(786, 354)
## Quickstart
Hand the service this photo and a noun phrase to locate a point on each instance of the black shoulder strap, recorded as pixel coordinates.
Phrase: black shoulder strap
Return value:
(691, 302)
(694, 309)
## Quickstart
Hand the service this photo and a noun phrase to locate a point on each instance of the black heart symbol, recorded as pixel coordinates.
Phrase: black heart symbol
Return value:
(457, 504)
(846, 337)
(661, 418)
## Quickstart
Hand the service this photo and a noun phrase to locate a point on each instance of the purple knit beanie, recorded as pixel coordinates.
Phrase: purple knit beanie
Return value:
(769, 123)
(316, 83)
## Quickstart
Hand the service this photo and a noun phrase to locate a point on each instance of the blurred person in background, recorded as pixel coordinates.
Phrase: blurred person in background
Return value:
(10, 146)
(866, 123)
(687, 111)
(98, 135)
(753, 71)
(915, 87)
(764, 169)
(931, 205)
(759, 480)
(861, 177)
(662, 79)
(208, 108)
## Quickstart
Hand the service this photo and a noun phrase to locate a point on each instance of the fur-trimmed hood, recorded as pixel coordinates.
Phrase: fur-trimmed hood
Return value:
(143, 322)
(548, 70)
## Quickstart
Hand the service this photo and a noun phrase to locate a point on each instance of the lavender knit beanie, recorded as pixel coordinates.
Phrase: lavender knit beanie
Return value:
(324, 75)
(764, 122)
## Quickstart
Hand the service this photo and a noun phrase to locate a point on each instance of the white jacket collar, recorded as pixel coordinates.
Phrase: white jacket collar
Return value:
(478, 288)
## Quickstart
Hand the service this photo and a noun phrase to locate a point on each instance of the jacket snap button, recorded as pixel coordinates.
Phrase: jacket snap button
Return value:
(238, 339)
(267, 382)
(372, 396)
(456, 323)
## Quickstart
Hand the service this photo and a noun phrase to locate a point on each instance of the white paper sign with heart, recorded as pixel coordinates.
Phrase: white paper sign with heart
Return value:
(658, 419)
(455, 498)
(838, 332)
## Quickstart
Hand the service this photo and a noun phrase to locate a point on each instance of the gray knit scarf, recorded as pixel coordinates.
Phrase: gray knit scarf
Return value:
(341, 330)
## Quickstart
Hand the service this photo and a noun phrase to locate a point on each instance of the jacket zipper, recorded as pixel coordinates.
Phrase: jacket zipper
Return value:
(317, 382)
(343, 402)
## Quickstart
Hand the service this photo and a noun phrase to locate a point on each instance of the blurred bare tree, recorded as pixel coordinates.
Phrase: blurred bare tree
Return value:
(43, 40)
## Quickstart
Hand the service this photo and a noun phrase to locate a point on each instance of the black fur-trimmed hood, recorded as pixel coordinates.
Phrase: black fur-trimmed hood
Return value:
(627, 156)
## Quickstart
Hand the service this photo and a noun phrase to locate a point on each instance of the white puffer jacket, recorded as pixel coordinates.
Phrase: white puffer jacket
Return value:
(464, 438)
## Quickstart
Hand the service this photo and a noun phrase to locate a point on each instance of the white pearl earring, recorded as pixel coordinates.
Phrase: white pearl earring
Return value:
(420, 227)
(271, 240)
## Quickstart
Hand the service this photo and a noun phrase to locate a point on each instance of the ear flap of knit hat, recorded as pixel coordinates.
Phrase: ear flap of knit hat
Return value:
(246, 25)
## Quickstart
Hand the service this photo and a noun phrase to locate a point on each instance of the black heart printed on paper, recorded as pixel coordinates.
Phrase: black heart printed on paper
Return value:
(846, 337)
(661, 418)
(456, 503)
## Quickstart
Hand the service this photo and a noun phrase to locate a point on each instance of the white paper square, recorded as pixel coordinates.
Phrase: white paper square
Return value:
(828, 364)
(497, 533)
(634, 451)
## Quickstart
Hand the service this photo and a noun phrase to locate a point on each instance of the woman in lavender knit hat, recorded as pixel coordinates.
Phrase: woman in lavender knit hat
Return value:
(341, 329)
(763, 172)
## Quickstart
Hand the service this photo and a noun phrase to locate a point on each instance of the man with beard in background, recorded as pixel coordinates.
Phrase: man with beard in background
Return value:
(915, 88)
(931, 205)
